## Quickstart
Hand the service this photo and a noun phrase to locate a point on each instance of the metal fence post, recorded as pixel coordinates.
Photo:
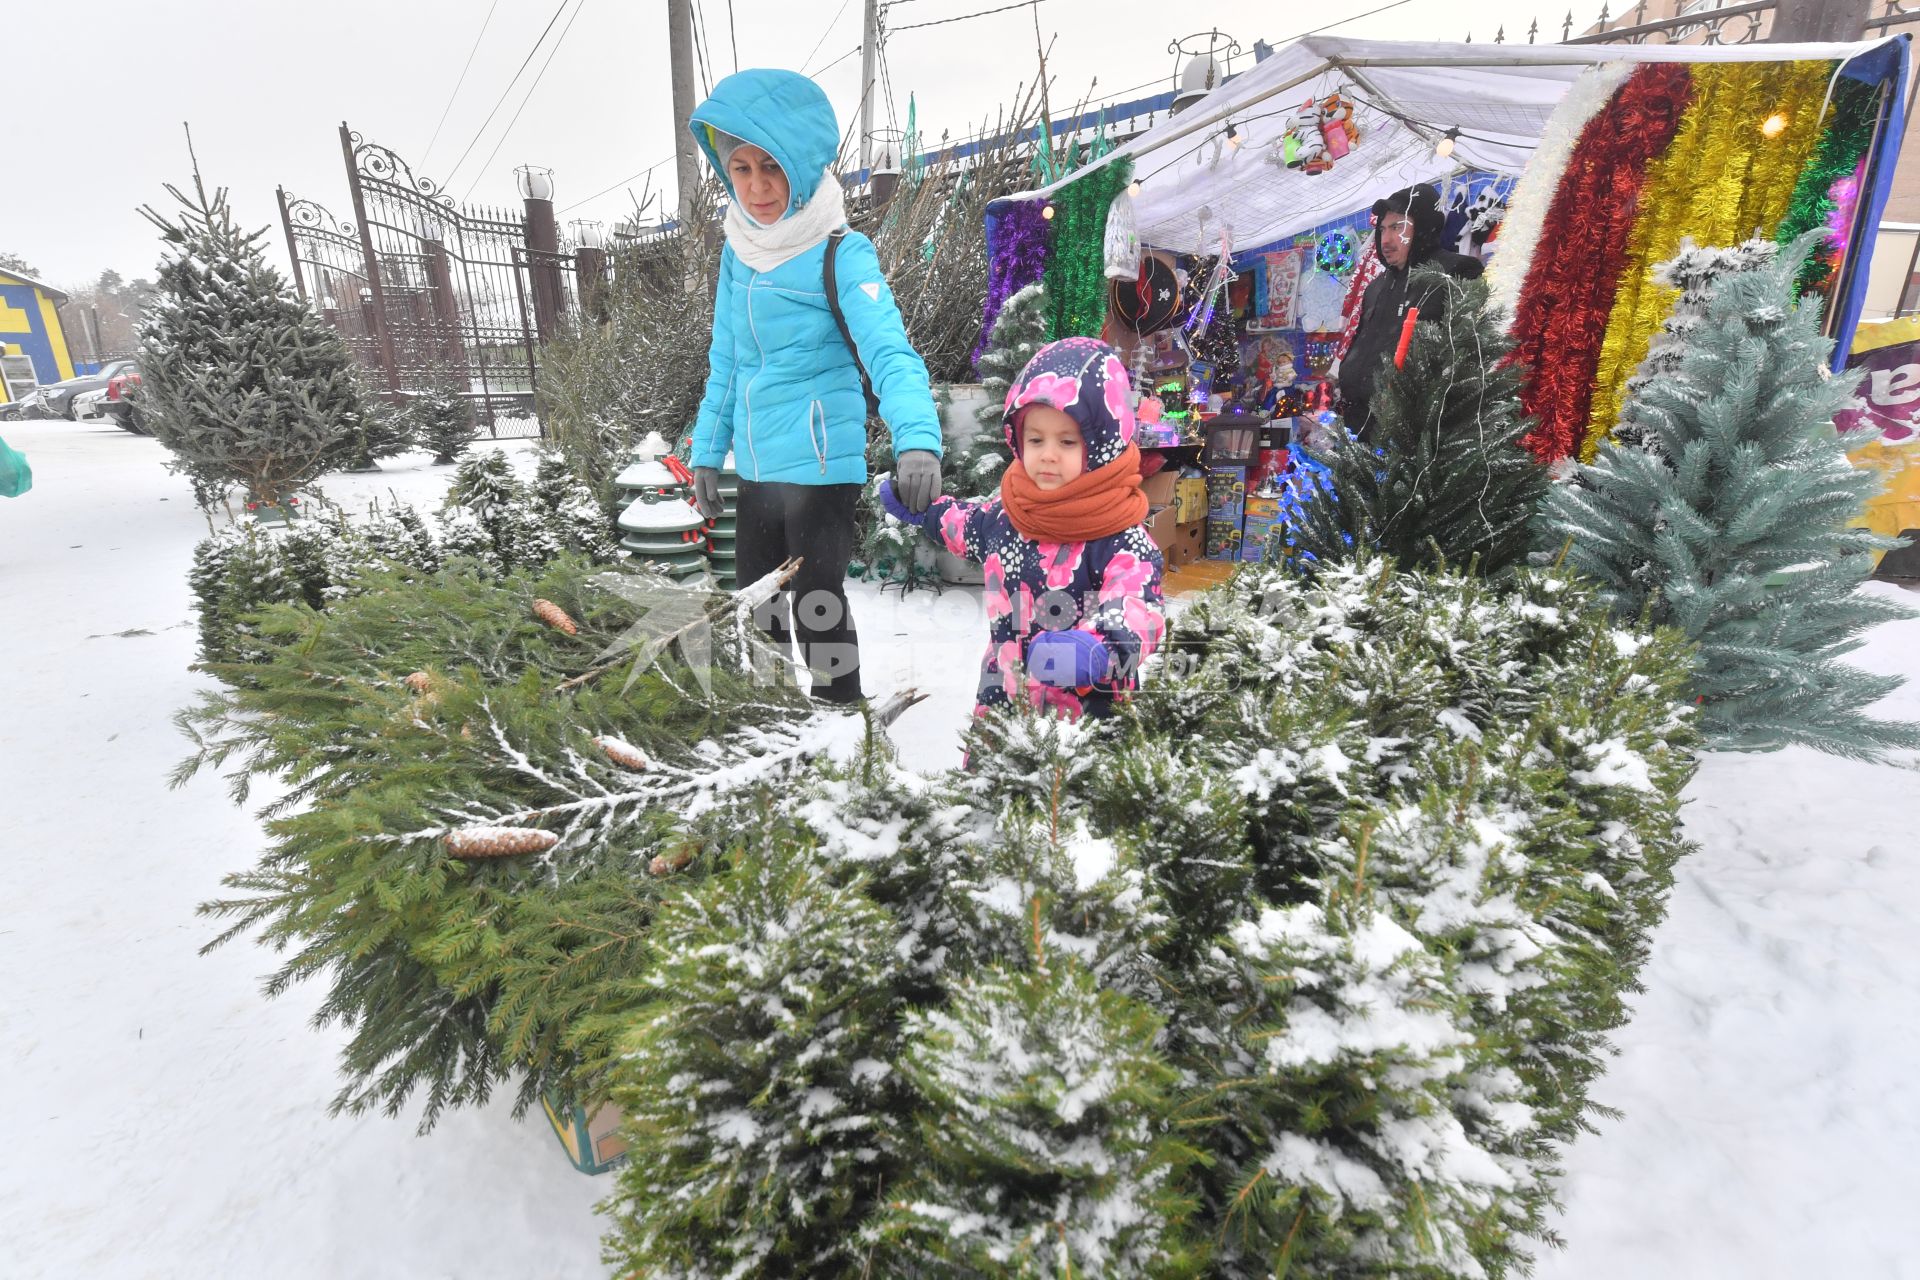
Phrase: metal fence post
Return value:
(383, 335)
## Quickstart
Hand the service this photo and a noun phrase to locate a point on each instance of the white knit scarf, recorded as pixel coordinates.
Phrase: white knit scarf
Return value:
(764, 248)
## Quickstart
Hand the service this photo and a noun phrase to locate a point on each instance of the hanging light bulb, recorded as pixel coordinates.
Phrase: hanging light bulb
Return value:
(1443, 149)
(1233, 136)
(1774, 125)
(1047, 213)
(1133, 188)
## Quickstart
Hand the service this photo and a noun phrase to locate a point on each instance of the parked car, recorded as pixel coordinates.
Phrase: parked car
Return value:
(119, 405)
(58, 396)
(87, 406)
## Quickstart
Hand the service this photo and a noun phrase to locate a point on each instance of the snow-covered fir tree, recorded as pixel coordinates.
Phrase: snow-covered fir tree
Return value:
(377, 431)
(442, 421)
(242, 382)
(1307, 957)
(1443, 477)
(1018, 331)
(567, 507)
(1732, 519)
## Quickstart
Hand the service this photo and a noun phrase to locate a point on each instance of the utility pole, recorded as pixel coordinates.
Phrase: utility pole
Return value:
(686, 158)
(869, 68)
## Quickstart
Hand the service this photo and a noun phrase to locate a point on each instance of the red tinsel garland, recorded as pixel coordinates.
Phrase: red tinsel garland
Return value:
(1561, 318)
(1363, 273)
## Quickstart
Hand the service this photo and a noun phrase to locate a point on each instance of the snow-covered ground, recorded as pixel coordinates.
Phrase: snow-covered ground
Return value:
(161, 1119)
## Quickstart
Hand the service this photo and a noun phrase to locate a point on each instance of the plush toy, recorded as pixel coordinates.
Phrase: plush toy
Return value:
(1304, 147)
(1337, 127)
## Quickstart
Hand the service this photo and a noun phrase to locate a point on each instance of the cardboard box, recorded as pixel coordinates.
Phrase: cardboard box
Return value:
(1160, 485)
(593, 1142)
(1223, 538)
(1226, 492)
(1189, 542)
(1160, 526)
(1190, 498)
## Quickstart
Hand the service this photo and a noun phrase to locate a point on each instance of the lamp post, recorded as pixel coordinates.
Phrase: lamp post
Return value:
(543, 246)
(883, 180)
(590, 266)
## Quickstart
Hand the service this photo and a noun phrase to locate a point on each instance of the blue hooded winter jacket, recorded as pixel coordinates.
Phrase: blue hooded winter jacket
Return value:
(783, 391)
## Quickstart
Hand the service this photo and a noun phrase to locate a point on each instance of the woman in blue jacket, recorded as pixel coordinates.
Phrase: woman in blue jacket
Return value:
(784, 393)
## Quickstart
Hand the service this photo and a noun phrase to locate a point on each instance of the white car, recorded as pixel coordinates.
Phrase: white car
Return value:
(90, 404)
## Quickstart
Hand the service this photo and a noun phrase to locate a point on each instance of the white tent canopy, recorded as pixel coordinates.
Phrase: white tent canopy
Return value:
(1406, 94)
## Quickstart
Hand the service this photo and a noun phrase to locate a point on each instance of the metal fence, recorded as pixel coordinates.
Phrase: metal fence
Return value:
(427, 292)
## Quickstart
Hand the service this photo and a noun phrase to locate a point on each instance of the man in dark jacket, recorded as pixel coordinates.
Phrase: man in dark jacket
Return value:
(1406, 234)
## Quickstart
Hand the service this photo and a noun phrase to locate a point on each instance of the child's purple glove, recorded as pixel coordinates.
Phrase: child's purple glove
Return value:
(1068, 659)
(896, 508)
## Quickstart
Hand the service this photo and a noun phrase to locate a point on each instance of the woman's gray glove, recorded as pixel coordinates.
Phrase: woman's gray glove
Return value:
(916, 479)
(706, 492)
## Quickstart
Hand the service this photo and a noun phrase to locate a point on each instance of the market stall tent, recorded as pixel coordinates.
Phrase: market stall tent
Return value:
(1218, 167)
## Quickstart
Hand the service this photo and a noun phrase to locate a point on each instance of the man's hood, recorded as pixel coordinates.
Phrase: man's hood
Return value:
(1421, 203)
(784, 114)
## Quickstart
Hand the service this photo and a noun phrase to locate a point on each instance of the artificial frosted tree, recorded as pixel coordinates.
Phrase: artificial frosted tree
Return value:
(241, 381)
(1730, 516)
(1444, 477)
(1018, 331)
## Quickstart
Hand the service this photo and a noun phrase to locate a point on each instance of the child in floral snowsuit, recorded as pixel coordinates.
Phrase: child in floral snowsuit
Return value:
(1072, 579)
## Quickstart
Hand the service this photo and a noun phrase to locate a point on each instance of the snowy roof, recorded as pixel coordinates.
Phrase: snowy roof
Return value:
(1406, 96)
(59, 298)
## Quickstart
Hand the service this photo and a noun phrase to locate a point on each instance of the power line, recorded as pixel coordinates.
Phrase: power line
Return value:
(509, 89)
(941, 22)
(540, 75)
(831, 23)
(698, 24)
(815, 75)
(616, 186)
(732, 38)
(462, 80)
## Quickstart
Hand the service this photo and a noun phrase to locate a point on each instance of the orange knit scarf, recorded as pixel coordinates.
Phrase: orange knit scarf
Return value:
(1092, 505)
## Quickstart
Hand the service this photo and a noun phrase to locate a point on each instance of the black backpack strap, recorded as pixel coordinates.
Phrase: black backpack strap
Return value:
(840, 319)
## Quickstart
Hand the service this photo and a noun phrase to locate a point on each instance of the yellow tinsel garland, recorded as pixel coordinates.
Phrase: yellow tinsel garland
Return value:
(1720, 182)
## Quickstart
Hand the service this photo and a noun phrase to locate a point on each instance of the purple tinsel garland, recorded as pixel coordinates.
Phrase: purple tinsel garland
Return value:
(1016, 257)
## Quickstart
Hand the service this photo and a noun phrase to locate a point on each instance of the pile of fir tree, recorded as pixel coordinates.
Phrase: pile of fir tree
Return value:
(1300, 965)
(1727, 508)
(1442, 478)
(241, 381)
(490, 518)
(485, 777)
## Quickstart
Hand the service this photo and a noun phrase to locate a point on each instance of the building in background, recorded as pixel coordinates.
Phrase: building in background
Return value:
(33, 344)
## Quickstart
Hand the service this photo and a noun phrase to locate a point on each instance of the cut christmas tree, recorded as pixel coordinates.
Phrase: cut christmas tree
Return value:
(1730, 513)
(1018, 332)
(241, 381)
(1301, 964)
(1445, 478)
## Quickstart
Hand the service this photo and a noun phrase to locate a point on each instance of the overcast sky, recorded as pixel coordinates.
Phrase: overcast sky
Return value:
(100, 91)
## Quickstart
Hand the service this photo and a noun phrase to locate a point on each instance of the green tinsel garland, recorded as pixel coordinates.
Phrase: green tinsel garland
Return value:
(1849, 133)
(1076, 264)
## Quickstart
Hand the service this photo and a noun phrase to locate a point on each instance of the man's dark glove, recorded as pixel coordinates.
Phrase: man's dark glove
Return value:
(917, 472)
(706, 492)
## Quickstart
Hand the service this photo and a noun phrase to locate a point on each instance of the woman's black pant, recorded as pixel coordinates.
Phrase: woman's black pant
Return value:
(775, 522)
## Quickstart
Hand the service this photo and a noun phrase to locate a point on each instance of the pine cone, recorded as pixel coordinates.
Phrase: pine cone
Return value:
(498, 842)
(668, 863)
(554, 616)
(623, 754)
(420, 681)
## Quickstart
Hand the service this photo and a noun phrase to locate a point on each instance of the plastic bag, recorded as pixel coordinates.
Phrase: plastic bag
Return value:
(16, 477)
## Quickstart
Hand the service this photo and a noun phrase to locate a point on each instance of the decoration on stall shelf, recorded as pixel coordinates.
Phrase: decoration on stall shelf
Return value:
(1017, 235)
(1151, 299)
(1335, 253)
(1720, 179)
(1281, 272)
(1363, 275)
(1122, 239)
(1212, 298)
(1320, 296)
(1076, 259)
(1560, 319)
(1485, 216)
(1589, 94)
(1321, 353)
(1829, 186)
